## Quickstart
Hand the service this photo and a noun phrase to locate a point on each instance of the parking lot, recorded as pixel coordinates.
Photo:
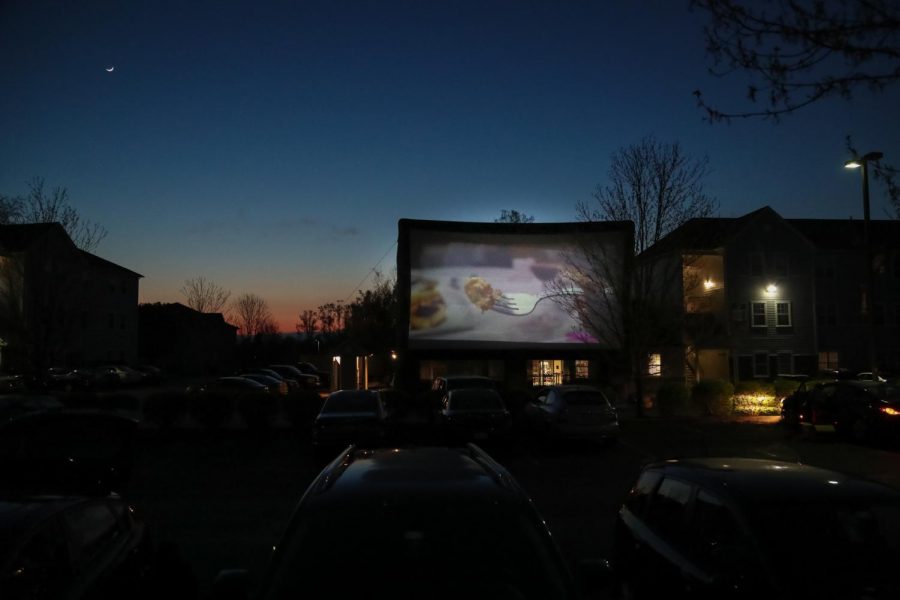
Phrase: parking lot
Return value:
(224, 496)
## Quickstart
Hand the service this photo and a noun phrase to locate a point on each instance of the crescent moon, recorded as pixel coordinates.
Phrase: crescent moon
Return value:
(110, 70)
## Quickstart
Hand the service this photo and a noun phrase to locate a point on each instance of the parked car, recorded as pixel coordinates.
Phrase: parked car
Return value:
(125, 375)
(413, 523)
(744, 528)
(473, 414)
(310, 369)
(151, 375)
(275, 386)
(857, 410)
(230, 386)
(71, 547)
(304, 381)
(350, 417)
(13, 406)
(573, 412)
(11, 383)
(65, 531)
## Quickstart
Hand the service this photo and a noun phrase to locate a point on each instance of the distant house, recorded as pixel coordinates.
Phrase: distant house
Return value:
(762, 295)
(183, 340)
(60, 305)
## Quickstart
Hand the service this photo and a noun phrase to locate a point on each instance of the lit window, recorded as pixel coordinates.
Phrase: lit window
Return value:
(783, 314)
(582, 370)
(828, 360)
(654, 365)
(758, 314)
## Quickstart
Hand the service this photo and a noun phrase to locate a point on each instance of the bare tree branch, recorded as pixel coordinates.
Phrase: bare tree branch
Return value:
(53, 207)
(253, 315)
(204, 295)
(799, 52)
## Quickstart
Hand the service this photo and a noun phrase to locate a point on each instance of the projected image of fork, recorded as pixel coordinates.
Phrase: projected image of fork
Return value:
(521, 304)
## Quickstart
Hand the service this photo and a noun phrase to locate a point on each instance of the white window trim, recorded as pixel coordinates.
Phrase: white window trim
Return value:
(790, 315)
(753, 315)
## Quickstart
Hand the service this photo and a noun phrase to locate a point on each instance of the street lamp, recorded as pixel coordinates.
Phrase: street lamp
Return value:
(855, 163)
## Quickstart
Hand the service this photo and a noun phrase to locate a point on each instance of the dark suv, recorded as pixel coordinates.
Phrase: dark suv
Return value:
(430, 522)
(743, 528)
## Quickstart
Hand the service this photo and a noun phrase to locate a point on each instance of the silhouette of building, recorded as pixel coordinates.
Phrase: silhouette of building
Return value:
(60, 305)
(182, 340)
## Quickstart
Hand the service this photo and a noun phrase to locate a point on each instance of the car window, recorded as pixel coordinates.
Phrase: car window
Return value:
(351, 402)
(403, 545)
(474, 400)
(91, 527)
(585, 398)
(719, 544)
(667, 509)
(640, 493)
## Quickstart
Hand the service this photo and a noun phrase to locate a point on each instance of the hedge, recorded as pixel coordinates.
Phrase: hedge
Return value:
(713, 397)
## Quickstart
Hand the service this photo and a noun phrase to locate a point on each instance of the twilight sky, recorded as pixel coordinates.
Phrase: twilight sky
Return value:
(272, 147)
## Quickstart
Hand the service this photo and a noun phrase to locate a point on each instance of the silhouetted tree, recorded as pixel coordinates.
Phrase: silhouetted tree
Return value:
(513, 216)
(204, 295)
(372, 320)
(306, 323)
(658, 188)
(799, 52)
(39, 206)
(253, 316)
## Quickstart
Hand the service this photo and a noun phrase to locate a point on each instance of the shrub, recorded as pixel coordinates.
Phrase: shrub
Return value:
(713, 397)
(672, 399)
(755, 398)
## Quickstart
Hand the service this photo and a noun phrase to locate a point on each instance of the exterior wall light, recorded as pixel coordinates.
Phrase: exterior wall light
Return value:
(771, 288)
(709, 284)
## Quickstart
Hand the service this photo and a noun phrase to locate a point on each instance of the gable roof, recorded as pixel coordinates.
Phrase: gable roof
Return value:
(102, 262)
(19, 237)
(705, 233)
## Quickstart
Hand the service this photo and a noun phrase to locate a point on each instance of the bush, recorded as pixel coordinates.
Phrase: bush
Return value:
(672, 399)
(164, 408)
(756, 398)
(713, 397)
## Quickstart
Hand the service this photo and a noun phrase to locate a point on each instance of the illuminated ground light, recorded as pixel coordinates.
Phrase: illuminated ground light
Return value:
(755, 404)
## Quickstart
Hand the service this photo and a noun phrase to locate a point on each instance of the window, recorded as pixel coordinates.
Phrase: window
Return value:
(654, 365)
(756, 264)
(546, 372)
(718, 538)
(785, 362)
(828, 360)
(760, 364)
(640, 493)
(758, 314)
(782, 314)
(582, 369)
(667, 509)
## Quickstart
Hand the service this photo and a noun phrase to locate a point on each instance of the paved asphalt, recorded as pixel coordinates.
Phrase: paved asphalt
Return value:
(225, 496)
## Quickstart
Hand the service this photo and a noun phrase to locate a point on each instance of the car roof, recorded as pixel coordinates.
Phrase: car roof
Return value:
(20, 513)
(363, 475)
(759, 480)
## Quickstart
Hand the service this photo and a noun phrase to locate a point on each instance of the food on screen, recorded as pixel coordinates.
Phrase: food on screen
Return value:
(427, 307)
(480, 293)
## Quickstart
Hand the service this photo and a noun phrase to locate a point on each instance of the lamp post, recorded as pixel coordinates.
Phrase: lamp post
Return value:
(855, 163)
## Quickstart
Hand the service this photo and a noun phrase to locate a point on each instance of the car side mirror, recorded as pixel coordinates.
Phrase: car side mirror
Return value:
(230, 584)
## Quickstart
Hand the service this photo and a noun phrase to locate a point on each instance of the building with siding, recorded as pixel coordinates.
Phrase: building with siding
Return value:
(762, 295)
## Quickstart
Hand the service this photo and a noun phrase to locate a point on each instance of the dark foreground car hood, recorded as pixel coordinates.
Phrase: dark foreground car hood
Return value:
(67, 452)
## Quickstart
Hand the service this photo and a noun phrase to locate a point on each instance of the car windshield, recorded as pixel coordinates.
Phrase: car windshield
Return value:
(351, 403)
(585, 398)
(400, 547)
(475, 400)
(804, 541)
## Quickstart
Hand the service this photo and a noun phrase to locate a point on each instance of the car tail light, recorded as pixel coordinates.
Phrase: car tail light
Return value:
(893, 412)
